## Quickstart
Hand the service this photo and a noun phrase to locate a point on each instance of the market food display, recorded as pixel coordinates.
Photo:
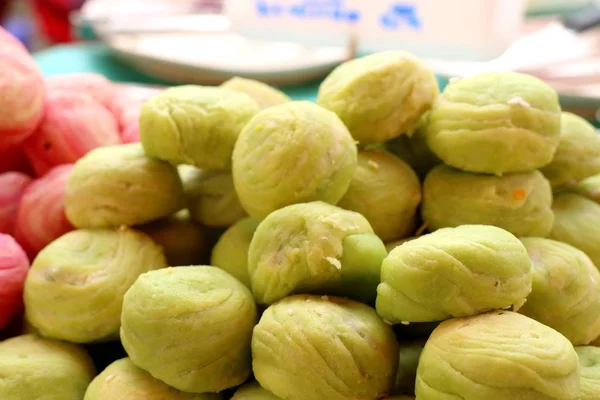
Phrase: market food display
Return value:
(387, 241)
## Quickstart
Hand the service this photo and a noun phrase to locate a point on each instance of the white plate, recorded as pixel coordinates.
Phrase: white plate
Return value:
(209, 53)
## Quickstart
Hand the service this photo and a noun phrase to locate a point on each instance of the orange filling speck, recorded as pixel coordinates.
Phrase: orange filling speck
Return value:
(519, 194)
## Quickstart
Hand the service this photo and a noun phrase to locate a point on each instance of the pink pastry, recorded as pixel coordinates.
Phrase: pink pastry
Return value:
(131, 133)
(13, 270)
(73, 124)
(22, 91)
(13, 158)
(101, 89)
(41, 214)
(12, 186)
(127, 110)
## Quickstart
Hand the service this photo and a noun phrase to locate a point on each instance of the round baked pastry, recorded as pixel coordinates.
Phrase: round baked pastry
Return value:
(495, 122)
(75, 287)
(315, 348)
(23, 91)
(578, 153)
(314, 248)
(35, 368)
(380, 96)
(13, 186)
(589, 361)
(293, 153)
(211, 197)
(195, 125)
(231, 251)
(14, 266)
(41, 215)
(98, 86)
(577, 221)
(501, 356)
(190, 327)
(123, 380)
(73, 124)
(387, 192)
(265, 95)
(566, 290)
(520, 202)
(454, 272)
(120, 185)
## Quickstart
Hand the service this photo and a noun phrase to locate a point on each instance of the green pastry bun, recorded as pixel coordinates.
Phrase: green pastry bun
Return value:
(314, 248)
(381, 96)
(501, 356)
(190, 327)
(577, 221)
(589, 361)
(253, 391)
(293, 153)
(387, 192)
(195, 125)
(453, 272)
(231, 251)
(495, 122)
(315, 348)
(565, 291)
(414, 149)
(75, 287)
(578, 154)
(520, 202)
(119, 185)
(266, 96)
(32, 368)
(211, 198)
(123, 380)
(184, 241)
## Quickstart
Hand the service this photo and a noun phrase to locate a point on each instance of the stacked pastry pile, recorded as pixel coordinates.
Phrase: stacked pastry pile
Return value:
(239, 249)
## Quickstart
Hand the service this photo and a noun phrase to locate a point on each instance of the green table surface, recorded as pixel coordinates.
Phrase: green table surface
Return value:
(94, 57)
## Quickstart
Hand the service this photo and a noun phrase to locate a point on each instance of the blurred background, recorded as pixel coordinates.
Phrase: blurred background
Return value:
(295, 43)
